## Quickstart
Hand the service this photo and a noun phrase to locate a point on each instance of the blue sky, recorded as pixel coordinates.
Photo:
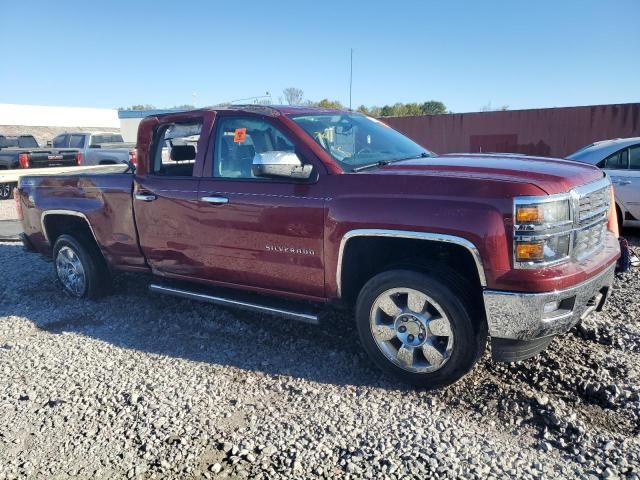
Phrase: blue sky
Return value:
(465, 53)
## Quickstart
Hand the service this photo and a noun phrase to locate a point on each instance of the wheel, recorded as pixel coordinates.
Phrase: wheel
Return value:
(80, 267)
(6, 191)
(420, 328)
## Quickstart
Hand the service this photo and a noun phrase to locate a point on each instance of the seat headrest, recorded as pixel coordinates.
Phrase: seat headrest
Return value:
(183, 152)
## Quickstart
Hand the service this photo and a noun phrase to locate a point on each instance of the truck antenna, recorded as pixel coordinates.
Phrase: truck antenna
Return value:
(350, 78)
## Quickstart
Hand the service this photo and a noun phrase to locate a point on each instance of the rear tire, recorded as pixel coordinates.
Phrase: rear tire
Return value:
(421, 328)
(80, 267)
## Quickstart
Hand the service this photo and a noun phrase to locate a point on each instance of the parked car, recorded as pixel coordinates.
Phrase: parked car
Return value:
(293, 211)
(98, 148)
(23, 151)
(620, 158)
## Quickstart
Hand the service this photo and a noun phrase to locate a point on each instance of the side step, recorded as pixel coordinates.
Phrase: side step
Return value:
(228, 301)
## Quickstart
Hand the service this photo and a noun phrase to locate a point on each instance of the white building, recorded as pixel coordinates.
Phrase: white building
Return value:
(45, 122)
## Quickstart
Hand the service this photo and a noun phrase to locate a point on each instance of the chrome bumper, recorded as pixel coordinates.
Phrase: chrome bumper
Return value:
(527, 316)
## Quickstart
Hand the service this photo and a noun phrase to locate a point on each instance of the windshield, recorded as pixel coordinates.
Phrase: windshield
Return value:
(355, 140)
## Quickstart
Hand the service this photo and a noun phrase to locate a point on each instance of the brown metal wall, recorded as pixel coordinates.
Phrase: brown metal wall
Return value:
(553, 132)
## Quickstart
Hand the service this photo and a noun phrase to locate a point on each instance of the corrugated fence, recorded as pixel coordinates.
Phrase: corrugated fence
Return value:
(555, 132)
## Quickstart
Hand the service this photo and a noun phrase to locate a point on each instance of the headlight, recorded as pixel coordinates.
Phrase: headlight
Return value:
(542, 251)
(543, 213)
(542, 230)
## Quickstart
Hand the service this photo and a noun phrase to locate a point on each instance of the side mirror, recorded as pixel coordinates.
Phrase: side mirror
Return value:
(280, 164)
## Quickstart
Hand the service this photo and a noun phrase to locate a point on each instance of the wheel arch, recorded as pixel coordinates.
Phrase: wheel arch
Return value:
(454, 247)
(57, 222)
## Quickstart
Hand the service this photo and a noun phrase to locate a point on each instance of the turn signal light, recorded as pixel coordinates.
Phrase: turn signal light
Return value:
(133, 157)
(23, 159)
(529, 214)
(529, 251)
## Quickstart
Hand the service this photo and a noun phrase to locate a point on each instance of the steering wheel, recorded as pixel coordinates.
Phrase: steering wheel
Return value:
(362, 150)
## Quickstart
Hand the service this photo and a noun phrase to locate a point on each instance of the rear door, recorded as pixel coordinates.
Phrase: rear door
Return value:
(165, 199)
(259, 232)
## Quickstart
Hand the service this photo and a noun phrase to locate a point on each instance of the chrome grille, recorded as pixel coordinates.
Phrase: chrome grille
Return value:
(588, 240)
(593, 205)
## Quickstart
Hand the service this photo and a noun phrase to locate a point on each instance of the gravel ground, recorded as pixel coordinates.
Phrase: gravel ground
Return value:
(141, 386)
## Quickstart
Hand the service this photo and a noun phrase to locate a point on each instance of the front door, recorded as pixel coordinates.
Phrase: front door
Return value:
(262, 233)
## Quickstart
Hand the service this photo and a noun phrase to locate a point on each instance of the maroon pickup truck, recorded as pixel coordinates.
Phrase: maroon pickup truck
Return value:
(293, 211)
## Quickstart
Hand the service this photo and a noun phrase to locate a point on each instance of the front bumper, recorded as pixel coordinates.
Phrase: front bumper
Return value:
(529, 316)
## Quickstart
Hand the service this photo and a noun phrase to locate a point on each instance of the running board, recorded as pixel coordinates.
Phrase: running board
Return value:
(231, 302)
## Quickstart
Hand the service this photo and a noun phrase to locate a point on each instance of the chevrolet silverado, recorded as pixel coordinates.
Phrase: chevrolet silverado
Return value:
(292, 211)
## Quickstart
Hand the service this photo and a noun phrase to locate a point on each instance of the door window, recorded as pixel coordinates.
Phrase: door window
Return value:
(175, 149)
(634, 158)
(617, 161)
(76, 141)
(238, 139)
(61, 141)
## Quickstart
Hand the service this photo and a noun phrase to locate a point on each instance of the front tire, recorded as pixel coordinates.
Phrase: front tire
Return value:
(80, 267)
(420, 328)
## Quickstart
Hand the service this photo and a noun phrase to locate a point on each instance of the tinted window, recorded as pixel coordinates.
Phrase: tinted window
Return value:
(617, 161)
(165, 139)
(238, 139)
(23, 141)
(61, 141)
(27, 141)
(76, 141)
(634, 158)
(98, 139)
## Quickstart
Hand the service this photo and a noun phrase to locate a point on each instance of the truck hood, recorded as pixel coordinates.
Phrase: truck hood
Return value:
(550, 174)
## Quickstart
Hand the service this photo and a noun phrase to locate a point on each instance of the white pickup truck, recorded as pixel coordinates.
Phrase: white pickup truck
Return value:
(97, 148)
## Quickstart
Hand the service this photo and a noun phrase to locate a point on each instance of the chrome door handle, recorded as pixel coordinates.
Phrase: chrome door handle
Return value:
(146, 197)
(215, 200)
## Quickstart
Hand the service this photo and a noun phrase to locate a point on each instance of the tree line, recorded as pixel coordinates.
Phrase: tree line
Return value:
(295, 96)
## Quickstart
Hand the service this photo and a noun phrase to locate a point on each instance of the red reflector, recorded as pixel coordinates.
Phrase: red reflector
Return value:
(23, 158)
(133, 157)
(79, 158)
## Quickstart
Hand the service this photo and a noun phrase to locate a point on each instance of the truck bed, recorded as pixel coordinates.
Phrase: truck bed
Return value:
(90, 196)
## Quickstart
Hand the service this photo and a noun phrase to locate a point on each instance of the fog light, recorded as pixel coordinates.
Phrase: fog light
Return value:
(551, 306)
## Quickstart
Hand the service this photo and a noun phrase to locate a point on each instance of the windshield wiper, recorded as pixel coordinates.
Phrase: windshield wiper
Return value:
(382, 163)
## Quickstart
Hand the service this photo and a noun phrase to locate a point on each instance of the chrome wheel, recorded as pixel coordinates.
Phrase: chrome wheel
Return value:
(5, 191)
(411, 330)
(70, 271)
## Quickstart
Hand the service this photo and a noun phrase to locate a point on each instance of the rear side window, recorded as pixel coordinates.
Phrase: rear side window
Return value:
(634, 158)
(61, 141)
(99, 139)
(617, 161)
(175, 146)
(76, 141)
